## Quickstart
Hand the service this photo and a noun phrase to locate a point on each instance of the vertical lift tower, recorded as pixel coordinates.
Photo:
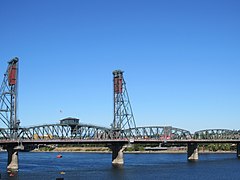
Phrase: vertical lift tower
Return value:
(123, 115)
(8, 111)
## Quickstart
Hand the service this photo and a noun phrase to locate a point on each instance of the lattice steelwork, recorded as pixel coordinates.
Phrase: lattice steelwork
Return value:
(64, 131)
(158, 133)
(8, 99)
(216, 134)
(4, 134)
(91, 132)
(123, 114)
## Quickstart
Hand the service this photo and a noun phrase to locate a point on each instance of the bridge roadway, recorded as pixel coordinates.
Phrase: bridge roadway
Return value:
(117, 140)
(85, 133)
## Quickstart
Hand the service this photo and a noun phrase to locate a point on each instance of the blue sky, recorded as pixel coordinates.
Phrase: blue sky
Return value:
(181, 60)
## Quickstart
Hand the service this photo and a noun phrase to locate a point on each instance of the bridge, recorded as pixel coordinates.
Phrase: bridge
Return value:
(122, 132)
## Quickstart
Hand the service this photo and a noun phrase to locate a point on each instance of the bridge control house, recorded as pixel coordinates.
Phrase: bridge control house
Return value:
(69, 121)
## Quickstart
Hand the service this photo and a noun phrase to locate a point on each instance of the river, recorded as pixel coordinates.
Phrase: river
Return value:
(75, 166)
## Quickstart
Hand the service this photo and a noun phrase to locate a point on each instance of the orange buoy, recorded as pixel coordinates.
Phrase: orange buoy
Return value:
(59, 156)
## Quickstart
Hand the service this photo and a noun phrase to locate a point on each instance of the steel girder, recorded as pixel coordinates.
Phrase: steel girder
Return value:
(217, 134)
(91, 132)
(83, 131)
(157, 132)
(64, 131)
(4, 134)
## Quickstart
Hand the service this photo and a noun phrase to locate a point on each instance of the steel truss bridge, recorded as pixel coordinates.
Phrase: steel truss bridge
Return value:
(122, 131)
(123, 126)
(85, 133)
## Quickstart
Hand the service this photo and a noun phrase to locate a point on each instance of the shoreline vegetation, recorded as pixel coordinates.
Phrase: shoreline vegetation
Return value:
(210, 148)
(142, 152)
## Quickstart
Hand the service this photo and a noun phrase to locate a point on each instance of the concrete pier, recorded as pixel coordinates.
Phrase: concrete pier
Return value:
(238, 150)
(117, 154)
(192, 151)
(12, 159)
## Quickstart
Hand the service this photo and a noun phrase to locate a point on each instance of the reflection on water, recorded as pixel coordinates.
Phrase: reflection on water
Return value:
(12, 173)
(74, 166)
(117, 166)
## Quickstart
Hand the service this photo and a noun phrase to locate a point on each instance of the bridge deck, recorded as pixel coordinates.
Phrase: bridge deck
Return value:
(120, 141)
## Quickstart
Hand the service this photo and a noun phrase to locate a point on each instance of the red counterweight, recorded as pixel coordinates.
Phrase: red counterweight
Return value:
(12, 74)
(118, 85)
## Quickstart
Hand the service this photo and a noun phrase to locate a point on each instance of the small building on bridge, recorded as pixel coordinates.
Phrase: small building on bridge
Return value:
(69, 121)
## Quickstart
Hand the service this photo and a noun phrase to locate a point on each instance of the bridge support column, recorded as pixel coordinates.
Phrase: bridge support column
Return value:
(238, 150)
(12, 158)
(117, 154)
(192, 151)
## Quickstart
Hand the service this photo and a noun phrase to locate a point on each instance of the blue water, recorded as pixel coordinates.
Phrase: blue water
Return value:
(45, 166)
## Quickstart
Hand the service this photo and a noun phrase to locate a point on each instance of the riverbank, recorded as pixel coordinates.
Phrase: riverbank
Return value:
(107, 150)
(74, 149)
